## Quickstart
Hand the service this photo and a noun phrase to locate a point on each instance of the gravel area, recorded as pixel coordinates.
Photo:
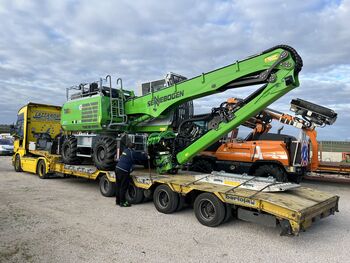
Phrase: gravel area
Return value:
(68, 220)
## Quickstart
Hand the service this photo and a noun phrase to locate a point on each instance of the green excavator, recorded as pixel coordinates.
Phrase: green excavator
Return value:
(97, 119)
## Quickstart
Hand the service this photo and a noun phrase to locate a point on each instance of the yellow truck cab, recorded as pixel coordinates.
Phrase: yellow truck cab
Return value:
(36, 128)
(36, 147)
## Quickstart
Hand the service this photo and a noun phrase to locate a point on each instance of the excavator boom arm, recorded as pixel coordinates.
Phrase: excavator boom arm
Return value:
(268, 94)
(257, 69)
(277, 69)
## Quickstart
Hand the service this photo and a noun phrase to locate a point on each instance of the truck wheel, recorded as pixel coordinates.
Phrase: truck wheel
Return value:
(148, 195)
(182, 201)
(69, 150)
(17, 164)
(134, 195)
(271, 170)
(209, 210)
(165, 200)
(41, 169)
(107, 188)
(228, 213)
(203, 166)
(104, 152)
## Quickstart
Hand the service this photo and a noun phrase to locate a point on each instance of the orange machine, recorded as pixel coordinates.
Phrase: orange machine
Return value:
(269, 154)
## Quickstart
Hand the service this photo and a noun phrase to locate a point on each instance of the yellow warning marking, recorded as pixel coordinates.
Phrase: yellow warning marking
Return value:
(231, 183)
(271, 58)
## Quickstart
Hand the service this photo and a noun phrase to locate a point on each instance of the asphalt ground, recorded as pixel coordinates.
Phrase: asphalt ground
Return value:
(68, 220)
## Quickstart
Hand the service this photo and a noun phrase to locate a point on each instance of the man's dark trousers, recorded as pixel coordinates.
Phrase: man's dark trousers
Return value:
(122, 183)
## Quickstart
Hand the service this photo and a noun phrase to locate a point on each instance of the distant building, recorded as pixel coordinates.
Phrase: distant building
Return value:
(334, 151)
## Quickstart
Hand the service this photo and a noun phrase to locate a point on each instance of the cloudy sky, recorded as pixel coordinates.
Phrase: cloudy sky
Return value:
(46, 46)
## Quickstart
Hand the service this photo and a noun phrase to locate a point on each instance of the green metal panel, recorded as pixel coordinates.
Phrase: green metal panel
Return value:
(86, 114)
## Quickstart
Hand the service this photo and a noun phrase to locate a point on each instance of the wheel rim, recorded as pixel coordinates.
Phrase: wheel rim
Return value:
(17, 162)
(163, 199)
(41, 170)
(207, 210)
(101, 153)
(105, 185)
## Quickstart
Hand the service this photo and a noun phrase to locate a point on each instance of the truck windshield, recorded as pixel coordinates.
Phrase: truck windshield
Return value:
(20, 125)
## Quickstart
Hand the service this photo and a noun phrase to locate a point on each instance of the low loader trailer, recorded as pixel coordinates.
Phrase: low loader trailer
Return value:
(97, 121)
(216, 198)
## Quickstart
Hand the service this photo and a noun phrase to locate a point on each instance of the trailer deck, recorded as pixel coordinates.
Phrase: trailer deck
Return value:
(300, 206)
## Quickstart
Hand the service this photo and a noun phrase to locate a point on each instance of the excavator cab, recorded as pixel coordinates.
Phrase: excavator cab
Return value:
(181, 113)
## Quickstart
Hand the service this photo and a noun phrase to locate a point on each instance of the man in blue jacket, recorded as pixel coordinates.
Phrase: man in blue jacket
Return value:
(123, 169)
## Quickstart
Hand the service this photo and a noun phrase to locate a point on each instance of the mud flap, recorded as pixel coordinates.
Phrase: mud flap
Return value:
(286, 228)
(256, 217)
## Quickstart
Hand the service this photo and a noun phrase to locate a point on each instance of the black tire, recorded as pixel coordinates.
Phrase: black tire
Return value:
(273, 170)
(202, 166)
(41, 170)
(134, 195)
(182, 201)
(17, 164)
(209, 210)
(104, 152)
(295, 178)
(165, 200)
(228, 213)
(148, 195)
(107, 188)
(69, 150)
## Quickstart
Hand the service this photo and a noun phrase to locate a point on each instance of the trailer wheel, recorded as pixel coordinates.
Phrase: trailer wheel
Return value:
(104, 152)
(228, 213)
(134, 195)
(148, 195)
(182, 201)
(107, 188)
(209, 210)
(69, 150)
(41, 170)
(165, 200)
(271, 170)
(17, 164)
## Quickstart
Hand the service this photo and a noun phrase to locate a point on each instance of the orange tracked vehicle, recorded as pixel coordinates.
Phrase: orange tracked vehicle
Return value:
(270, 154)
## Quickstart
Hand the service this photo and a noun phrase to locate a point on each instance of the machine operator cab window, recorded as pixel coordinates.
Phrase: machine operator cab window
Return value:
(181, 113)
(155, 85)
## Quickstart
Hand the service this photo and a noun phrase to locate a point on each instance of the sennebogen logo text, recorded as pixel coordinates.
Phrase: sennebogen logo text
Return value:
(158, 100)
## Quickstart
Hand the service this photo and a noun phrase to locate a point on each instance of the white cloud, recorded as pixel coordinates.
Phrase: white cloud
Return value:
(47, 46)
